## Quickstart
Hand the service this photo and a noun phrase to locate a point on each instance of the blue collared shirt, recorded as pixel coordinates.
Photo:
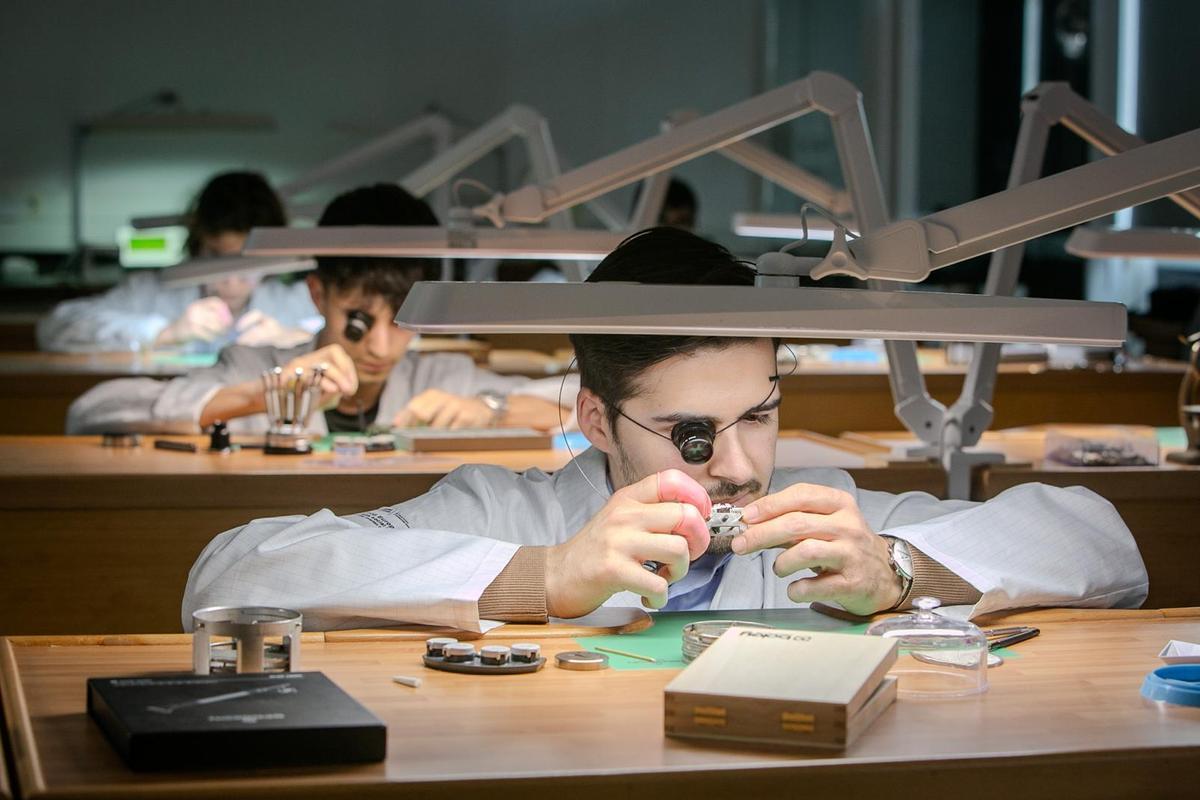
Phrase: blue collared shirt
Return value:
(695, 592)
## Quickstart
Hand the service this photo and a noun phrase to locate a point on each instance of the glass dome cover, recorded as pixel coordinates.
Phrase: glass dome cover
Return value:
(939, 657)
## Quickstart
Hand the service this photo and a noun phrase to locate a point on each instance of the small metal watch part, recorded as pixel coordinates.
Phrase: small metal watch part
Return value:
(725, 520)
(494, 655)
(581, 660)
(121, 440)
(437, 645)
(525, 652)
(459, 652)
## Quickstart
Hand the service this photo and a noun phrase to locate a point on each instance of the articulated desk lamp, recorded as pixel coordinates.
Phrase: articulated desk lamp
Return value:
(1048, 104)
(836, 204)
(820, 91)
(900, 318)
(905, 251)
(1164, 244)
(461, 239)
(432, 126)
(516, 122)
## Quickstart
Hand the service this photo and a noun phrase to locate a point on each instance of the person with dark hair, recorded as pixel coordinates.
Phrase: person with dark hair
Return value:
(141, 313)
(677, 424)
(680, 207)
(369, 380)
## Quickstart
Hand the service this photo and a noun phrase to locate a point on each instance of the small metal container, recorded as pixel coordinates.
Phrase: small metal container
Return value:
(459, 652)
(584, 660)
(260, 639)
(526, 652)
(697, 636)
(437, 645)
(494, 655)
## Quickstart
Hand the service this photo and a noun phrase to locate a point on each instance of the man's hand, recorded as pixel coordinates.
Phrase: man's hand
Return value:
(634, 526)
(439, 409)
(823, 530)
(341, 379)
(204, 319)
(256, 329)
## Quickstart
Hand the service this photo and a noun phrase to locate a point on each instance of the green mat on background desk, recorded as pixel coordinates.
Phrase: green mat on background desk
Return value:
(1171, 437)
(189, 360)
(664, 640)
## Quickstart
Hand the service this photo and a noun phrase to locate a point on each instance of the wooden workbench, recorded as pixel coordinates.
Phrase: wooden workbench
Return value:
(1062, 718)
(128, 524)
(37, 388)
(832, 400)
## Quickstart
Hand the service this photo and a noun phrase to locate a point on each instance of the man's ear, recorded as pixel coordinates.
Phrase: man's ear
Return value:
(593, 421)
(316, 290)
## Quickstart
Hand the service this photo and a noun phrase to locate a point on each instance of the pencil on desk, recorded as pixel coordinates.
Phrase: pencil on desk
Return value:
(627, 654)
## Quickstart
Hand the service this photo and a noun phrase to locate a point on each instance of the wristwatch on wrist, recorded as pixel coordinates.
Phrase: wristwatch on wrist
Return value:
(900, 560)
(498, 403)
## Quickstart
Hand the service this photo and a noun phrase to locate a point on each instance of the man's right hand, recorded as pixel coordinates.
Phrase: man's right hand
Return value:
(341, 379)
(634, 526)
(245, 398)
(204, 319)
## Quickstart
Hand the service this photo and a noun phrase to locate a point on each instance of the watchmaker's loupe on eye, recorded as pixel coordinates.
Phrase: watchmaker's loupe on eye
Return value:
(357, 325)
(694, 440)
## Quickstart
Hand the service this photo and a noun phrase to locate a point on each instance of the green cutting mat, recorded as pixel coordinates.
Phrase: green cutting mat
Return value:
(664, 640)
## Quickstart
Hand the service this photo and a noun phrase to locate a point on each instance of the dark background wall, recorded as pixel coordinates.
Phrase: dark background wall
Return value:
(941, 81)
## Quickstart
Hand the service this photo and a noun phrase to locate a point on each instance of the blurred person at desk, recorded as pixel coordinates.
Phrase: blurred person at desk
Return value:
(142, 314)
(369, 378)
(624, 523)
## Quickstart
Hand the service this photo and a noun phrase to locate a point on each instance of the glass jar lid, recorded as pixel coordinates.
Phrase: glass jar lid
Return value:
(938, 657)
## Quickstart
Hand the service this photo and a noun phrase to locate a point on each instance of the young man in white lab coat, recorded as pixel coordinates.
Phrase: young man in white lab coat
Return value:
(370, 379)
(142, 314)
(488, 545)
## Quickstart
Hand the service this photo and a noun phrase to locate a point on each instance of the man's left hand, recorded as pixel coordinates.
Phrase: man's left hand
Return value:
(823, 530)
(439, 409)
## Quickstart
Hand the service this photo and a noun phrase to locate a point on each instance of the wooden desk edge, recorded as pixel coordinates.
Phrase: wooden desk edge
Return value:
(564, 631)
(27, 770)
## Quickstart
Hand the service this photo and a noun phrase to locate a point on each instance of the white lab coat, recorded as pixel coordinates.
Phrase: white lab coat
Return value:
(429, 559)
(132, 314)
(147, 405)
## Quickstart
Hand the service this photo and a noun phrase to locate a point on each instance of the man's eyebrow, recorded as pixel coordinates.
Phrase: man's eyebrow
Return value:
(761, 408)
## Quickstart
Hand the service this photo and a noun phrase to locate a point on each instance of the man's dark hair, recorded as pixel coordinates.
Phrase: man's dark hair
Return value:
(233, 201)
(609, 364)
(381, 204)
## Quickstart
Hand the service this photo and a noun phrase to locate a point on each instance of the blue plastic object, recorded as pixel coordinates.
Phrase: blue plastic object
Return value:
(1178, 684)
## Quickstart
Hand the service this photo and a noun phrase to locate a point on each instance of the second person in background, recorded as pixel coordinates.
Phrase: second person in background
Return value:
(370, 380)
(142, 314)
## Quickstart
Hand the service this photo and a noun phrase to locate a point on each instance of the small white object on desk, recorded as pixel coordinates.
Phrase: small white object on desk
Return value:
(1177, 652)
(407, 680)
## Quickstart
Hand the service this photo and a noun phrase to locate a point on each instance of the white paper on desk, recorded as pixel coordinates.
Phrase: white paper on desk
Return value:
(798, 452)
(1177, 652)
